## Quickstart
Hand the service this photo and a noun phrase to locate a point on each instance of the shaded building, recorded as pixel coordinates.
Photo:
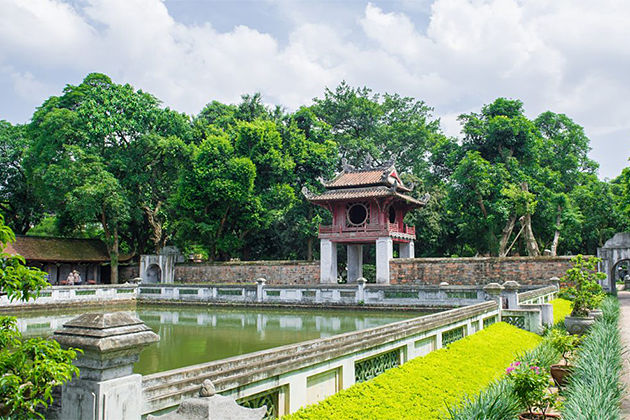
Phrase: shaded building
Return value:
(60, 256)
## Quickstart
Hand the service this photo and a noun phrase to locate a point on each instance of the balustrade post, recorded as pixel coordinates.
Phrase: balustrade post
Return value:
(106, 387)
(361, 289)
(510, 291)
(260, 286)
(493, 292)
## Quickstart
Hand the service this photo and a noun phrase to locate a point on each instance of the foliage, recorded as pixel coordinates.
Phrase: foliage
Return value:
(586, 290)
(421, 387)
(498, 401)
(30, 368)
(563, 342)
(529, 385)
(594, 390)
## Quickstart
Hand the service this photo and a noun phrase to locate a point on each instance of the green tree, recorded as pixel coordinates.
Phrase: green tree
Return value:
(17, 199)
(30, 368)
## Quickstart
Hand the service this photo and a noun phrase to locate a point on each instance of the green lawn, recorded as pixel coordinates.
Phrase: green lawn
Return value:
(561, 308)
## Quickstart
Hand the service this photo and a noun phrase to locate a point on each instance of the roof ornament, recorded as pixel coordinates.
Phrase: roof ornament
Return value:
(306, 193)
(346, 166)
(425, 198)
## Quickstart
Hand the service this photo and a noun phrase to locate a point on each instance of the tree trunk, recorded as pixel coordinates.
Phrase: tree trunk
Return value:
(505, 235)
(556, 234)
(492, 240)
(113, 256)
(309, 249)
(157, 234)
(530, 239)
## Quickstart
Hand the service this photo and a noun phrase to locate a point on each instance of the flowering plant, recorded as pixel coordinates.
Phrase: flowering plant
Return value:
(530, 384)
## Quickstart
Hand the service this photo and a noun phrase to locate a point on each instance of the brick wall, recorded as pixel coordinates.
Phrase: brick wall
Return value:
(469, 271)
(276, 272)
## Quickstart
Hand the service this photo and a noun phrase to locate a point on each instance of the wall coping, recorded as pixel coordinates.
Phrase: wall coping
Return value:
(237, 263)
(483, 259)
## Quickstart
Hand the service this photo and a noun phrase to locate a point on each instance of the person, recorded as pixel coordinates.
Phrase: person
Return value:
(77, 277)
(70, 279)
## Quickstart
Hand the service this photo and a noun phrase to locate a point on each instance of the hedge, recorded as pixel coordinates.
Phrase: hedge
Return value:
(561, 309)
(594, 390)
(423, 387)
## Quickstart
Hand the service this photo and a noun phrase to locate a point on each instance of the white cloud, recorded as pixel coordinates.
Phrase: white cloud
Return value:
(570, 56)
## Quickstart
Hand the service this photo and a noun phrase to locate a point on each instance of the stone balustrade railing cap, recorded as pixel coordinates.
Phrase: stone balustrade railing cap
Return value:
(104, 333)
(511, 285)
(493, 288)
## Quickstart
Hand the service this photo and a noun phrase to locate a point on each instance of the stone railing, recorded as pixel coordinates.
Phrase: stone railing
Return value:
(295, 375)
(541, 295)
(351, 294)
(76, 295)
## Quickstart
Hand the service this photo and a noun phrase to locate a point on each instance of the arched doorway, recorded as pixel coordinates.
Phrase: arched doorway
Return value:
(620, 270)
(615, 255)
(154, 274)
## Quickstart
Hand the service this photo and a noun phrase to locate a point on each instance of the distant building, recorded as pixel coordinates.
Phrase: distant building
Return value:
(60, 256)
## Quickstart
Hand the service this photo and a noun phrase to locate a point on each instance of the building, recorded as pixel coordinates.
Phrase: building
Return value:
(368, 207)
(60, 256)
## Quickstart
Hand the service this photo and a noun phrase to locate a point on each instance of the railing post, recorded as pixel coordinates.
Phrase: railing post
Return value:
(510, 291)
(361, 289)
(106, 387)
(260, 286)
(493, 291)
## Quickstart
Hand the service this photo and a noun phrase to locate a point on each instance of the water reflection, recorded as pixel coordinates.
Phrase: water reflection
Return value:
(196, 335)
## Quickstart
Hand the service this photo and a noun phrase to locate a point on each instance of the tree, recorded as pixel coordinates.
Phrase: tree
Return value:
(119, 153)
(17, 198)
(30, 368)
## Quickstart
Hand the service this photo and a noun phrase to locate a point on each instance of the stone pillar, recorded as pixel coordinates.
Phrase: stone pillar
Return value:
(106, 387)
(407, 250)
(493, 292)
(260, 286)
(355, 262)
(384, 253)
(328, 261)
(361, 289)
(510, 291)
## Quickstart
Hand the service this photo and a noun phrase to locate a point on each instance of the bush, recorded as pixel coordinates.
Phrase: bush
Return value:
(422, 387)
(594, 390)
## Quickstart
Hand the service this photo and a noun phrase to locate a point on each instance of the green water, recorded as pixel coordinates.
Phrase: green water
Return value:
(196, 335)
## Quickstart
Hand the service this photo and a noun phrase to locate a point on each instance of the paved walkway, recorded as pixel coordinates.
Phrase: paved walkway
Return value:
(624, 324)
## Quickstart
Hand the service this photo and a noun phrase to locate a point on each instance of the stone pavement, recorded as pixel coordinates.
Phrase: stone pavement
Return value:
(624, 324)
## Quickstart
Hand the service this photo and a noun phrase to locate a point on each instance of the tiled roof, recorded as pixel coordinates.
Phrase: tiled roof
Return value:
(357, 193)
(34, 248)
(362, 178)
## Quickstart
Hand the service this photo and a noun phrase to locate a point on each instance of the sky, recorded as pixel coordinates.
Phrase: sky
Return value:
(567, 56)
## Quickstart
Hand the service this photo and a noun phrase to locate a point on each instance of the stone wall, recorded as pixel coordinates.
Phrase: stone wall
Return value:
(276, 272)
(470, 271)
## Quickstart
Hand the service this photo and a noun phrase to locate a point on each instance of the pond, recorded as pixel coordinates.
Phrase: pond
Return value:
(196, 335)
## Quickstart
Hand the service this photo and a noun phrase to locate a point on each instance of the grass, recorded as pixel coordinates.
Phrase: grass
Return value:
(594, 390)
(422, 388)
(561, 309)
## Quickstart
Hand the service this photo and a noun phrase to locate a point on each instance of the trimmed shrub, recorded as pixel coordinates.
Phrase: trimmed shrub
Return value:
(594, 390)
(561, 309)
(422, 387)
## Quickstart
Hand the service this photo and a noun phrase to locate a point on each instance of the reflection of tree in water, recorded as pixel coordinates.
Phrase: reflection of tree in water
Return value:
(621, 270)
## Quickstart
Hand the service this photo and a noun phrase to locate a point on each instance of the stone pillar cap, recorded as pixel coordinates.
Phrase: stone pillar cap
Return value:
(493, 288)
(261, 280)
(511, 285)
(362, 280)
(105, 333)
(444, 283)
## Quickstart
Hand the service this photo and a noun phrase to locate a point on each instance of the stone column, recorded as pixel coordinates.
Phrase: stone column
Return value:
(510, 291)
(106, 387)
(355, 262)
(407, 250)
(384, 253)
(260, 286)
(328, 261)
(361, 289)
(493, 292)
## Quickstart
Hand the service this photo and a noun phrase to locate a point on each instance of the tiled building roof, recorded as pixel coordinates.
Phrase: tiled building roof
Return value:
(34, 248)
(385, 175)
(358, 193)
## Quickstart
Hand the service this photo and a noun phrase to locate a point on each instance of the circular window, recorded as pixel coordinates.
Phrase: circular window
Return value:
(357, 214)
(392, 215)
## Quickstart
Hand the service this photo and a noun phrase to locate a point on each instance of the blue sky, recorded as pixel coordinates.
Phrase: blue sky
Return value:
(568, 56)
